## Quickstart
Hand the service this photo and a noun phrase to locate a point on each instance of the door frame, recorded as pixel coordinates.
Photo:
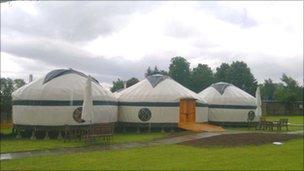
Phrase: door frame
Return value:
(181, 113)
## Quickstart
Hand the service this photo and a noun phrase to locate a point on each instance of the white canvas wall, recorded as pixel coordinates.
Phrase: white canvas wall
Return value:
(159, 114)
(229, 115)
(59, 115)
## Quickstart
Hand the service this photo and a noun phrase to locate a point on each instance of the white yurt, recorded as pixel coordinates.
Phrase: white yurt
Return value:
(57, 98)
(159, 101)
(227, 103)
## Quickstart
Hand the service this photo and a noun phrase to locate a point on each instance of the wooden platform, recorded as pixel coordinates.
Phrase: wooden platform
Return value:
(200, 127)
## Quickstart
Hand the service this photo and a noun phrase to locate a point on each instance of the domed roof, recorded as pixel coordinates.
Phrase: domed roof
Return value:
(157, 88)
(62, 84)
(226, 94)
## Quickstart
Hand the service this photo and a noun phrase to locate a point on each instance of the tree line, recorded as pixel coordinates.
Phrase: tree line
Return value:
(237, 73)
(202, 76)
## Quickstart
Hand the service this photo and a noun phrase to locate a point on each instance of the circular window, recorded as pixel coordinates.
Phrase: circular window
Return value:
(77, 115)
(144, 114)
(251, 115)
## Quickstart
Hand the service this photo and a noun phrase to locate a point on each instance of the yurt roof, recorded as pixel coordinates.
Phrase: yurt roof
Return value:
(226, 94)
(62, 84)
(157, 88)
(60, 72)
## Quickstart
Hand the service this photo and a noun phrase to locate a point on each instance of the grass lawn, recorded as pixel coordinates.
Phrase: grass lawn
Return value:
(13, 145)
(6, 130)
(288, 156)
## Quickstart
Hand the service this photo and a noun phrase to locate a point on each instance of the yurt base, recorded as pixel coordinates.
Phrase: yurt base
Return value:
(54, 132)
(200, 127)
(146, 127)
(230, 124)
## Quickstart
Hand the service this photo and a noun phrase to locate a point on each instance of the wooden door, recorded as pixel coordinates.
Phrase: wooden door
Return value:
(187, 110)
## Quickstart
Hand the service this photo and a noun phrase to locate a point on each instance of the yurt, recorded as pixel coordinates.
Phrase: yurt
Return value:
(228, 104)
(118, 93)
(56, 100)
(159, 101)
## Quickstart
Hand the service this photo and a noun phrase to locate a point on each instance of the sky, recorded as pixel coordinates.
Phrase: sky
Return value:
(111, 40)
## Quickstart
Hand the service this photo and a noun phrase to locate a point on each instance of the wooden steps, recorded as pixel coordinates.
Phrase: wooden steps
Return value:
(200, 127)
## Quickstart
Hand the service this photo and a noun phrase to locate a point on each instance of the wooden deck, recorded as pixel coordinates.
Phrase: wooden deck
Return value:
(200, 127)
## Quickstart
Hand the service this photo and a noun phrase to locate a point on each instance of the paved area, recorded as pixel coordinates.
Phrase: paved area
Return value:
(165, 141)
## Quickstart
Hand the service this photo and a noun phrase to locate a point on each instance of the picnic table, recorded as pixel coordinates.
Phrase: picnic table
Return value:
(270, 125)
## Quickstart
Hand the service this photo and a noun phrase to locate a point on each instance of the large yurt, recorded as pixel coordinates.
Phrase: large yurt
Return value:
(228, 104)
(56, 100)
(159, 101)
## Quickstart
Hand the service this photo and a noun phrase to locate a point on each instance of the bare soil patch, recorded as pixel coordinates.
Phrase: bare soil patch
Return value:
(232, 140)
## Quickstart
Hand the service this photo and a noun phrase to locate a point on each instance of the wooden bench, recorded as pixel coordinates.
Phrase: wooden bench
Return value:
(281, 123)
(262, 124)
(270, 125)
(103, 130)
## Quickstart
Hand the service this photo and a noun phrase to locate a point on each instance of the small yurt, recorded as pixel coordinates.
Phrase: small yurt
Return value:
(56, 100)
(159, 101)
(228, 104)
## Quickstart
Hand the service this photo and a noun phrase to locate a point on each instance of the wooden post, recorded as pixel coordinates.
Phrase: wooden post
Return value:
(33, 137)
(59, 136)
(162, 129)
(46, 137)
(18, 136)
(149, 130)
(172, 129)
(124, 128)
(138, 130)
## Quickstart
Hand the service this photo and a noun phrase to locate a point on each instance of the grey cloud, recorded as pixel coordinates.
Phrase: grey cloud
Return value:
(46, 39)
(239, 17)
(51, 54)
(72, 21)
(179, 30)
(269, 68)
(63, 55)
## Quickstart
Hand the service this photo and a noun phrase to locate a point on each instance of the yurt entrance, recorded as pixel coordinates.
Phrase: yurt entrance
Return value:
(187, 111)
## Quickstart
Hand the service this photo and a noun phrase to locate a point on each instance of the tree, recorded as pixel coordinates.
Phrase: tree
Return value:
(288, 92)
(240, 75)
(117, 85)
(131, 82)
(18, 83)
(155, 71)
(201, 77)
(7, 87)
(148, 72)
(179, 70)
(222, 73)
(268, 89)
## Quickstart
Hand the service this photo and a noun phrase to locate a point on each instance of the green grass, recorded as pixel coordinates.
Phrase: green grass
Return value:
(289, 156)
(13, 145)
(6, 131)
